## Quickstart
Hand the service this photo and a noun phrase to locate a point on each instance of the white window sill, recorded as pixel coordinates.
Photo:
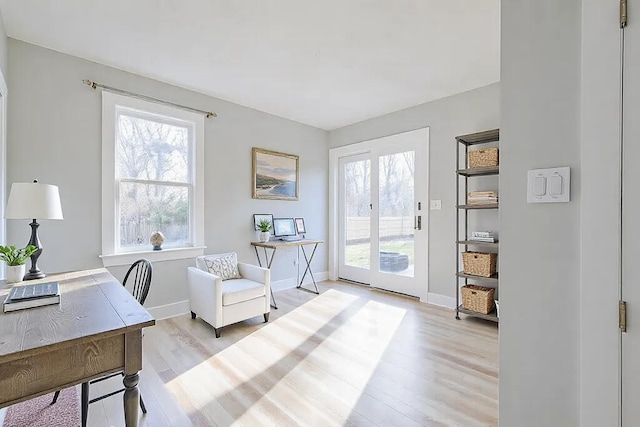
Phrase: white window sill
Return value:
(128, 258)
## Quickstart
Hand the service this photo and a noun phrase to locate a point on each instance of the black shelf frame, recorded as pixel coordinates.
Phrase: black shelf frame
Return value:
(476, 243)
(489, 280)
(493, 316)
(486, 171)
(479, 137)
(464, 173)
(491, 206)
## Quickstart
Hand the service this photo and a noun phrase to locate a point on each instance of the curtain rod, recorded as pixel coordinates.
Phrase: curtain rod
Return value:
(95, 85)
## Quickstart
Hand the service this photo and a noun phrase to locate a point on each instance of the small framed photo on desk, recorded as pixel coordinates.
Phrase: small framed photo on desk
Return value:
(300, 226)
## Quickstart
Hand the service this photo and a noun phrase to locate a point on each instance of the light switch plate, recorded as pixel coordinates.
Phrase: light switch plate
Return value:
(556, 183)
(435, 205)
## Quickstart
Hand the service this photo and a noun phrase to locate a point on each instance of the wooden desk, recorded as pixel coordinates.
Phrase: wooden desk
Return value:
(299, 244)
(95, 330)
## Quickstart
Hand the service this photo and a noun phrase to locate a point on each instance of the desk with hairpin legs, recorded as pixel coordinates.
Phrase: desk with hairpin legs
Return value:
(300, 245)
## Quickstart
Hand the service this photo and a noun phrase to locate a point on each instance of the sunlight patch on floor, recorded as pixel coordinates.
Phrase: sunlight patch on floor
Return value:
(336, 371)
(250, 357)
(323, 351)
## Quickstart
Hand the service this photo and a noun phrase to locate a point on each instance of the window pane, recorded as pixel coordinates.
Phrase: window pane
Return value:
(145, 208)
(151, 150)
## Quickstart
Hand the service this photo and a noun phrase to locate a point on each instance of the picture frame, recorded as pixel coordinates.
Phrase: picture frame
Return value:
(259, 217)
(275, 175)
(300, 228)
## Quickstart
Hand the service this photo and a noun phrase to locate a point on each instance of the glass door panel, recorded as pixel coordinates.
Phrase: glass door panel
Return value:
(355, 218)
(357, 187)
(396, 213)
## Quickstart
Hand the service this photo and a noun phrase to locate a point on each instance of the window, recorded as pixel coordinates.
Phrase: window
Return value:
(152, 180)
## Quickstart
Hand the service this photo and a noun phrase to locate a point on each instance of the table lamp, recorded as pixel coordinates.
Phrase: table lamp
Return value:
(31, 201)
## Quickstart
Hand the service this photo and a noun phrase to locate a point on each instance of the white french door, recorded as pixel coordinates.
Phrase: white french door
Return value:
(382, 216)
(355, 212)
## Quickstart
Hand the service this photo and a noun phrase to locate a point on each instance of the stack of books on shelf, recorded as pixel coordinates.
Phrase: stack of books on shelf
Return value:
(481, 198)
(482, 236)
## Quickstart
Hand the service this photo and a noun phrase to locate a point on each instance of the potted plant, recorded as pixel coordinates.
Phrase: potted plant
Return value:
(15, 259)
(264, 225)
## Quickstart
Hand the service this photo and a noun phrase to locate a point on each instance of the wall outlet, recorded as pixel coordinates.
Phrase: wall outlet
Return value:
(435, 205)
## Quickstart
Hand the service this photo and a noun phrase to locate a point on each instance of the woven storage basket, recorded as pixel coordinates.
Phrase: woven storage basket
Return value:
(483, 158)
(477, 298)
(479, 263)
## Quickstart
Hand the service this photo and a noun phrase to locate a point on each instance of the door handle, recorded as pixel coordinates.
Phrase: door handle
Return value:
(417, 222)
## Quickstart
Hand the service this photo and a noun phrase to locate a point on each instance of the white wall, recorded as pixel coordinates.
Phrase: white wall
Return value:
(540, 243)
(446, 118)
(4, 42)
(55, 136)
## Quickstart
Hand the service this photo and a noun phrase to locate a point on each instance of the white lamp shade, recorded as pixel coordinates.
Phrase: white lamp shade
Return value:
(33, 201)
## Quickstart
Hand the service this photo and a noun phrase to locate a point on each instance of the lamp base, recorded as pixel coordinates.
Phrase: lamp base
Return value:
(34, 275)
(34, 271)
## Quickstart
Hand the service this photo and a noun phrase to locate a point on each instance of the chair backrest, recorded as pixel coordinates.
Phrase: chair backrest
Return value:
(140, 272)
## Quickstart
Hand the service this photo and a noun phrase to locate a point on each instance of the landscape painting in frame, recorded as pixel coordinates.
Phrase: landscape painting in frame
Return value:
(275, 175)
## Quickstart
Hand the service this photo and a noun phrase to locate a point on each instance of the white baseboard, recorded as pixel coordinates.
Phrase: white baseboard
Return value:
(169, 310)
(441, 300)
(290, 283)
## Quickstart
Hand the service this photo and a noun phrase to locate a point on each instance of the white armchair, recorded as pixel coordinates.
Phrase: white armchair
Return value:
(223, 302)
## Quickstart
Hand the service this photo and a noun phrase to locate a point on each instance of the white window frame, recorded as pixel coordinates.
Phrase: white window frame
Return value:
(111, 102)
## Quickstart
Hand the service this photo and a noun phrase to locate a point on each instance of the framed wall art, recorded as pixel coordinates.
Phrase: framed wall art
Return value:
(275, 175)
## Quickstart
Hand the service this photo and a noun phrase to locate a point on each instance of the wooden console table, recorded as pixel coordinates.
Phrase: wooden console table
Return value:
(95, 330)
(299, 244)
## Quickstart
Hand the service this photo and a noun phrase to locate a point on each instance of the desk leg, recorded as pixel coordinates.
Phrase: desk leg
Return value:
(308, 268)
(268, 262)
(131, 399)
(132, 365)
(258, 256)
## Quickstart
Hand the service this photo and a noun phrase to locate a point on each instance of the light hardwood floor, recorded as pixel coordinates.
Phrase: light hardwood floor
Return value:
(350, 356)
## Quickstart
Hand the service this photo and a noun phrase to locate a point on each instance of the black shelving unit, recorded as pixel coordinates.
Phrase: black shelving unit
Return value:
(463, 174)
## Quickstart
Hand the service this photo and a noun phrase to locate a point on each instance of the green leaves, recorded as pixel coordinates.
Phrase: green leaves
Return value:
(14, 256)
(264, 225)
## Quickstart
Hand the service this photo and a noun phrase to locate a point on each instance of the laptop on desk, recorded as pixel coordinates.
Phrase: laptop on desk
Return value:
(285, 229)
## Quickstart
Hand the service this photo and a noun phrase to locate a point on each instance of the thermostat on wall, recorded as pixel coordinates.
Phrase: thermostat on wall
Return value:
(549, 185)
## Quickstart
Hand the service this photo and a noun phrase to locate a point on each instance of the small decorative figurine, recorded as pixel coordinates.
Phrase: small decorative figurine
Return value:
(157, 239)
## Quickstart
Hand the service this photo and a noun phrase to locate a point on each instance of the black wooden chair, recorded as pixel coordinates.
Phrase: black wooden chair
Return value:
(140, 273)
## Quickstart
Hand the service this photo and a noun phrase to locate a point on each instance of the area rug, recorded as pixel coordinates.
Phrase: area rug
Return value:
(39, 412)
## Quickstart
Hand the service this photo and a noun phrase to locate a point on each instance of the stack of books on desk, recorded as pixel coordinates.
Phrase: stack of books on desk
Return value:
(481, 198)
(29, 296)
(482, 236)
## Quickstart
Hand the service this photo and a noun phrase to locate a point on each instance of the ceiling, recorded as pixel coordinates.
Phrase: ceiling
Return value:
(324, 63)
